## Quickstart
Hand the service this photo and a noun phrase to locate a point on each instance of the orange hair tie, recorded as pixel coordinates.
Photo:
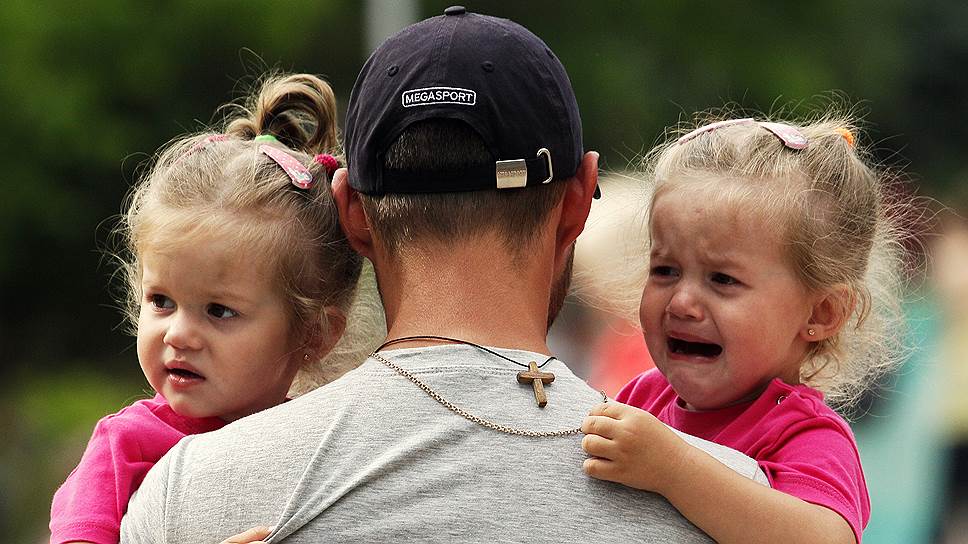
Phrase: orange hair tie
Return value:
(848, 136)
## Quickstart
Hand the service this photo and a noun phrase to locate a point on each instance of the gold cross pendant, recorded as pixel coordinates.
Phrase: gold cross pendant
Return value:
(537, 379)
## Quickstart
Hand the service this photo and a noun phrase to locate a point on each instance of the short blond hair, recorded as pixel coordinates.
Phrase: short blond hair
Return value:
(446, 145)
(218, 183)
(830, 206)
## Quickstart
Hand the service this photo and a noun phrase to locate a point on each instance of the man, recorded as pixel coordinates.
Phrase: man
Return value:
(467, 188)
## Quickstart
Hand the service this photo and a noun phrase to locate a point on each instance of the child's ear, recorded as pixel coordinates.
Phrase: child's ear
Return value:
(830, 313)
(321, 339)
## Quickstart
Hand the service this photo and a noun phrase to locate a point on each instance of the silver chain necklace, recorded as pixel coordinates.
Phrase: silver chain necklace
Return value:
(467, 415)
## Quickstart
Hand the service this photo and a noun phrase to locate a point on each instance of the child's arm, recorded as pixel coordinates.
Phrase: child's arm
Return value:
(87, 508)
(632, 447)
(252, 536)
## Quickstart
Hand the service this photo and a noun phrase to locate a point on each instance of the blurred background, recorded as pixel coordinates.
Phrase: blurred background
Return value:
(90, 89)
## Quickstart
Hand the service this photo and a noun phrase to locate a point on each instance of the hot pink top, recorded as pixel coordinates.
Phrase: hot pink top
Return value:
(90, 504)
(803, 446)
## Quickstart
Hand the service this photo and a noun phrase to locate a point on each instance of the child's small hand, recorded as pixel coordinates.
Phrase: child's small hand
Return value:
(252, 536)
(631, 447)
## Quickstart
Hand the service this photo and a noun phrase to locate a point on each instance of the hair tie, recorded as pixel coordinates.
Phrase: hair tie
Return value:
(847, 135)
(265, 138)
(788, 134)
(204, 143)
(328, 161)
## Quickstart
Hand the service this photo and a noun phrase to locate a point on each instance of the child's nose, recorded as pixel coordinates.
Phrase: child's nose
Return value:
(183, 332)
(685, 304)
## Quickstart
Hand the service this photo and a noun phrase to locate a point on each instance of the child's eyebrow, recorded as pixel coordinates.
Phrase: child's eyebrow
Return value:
(149, 283)
(722, 259)
(230, 296)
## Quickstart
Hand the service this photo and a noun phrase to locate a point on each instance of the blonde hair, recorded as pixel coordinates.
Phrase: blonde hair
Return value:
(834, 217)
(220, 184)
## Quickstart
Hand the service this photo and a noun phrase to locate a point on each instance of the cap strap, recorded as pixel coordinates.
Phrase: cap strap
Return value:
(516, 173)
(523, 172)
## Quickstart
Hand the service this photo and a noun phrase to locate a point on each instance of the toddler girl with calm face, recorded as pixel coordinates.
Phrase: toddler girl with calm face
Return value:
(239, 278)
(769, 285)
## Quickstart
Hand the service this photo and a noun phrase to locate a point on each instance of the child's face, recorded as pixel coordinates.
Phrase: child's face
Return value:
(214, 336)
(722, 311)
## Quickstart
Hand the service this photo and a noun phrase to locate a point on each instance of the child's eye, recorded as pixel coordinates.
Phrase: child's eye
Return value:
(724, 279)
(663, 271)
(221, 312)
(161, 302)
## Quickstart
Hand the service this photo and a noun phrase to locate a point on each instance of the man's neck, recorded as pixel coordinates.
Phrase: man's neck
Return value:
(476, 292)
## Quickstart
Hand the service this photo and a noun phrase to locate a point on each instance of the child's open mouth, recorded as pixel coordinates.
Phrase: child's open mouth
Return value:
(694, 349)
(180, 376)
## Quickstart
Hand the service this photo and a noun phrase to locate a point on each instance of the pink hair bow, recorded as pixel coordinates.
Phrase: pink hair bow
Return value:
(298, 174)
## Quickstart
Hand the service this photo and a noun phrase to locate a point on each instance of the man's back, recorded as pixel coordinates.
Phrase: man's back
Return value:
(371, 457)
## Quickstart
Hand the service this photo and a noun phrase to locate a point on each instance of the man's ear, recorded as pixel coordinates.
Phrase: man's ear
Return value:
(351, 215)
(830, 313)
(577, 201)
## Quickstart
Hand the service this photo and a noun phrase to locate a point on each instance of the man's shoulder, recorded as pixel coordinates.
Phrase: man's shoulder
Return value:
(292, 423)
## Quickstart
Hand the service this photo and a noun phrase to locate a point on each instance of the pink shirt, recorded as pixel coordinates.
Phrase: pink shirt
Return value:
(803, 446)
(90, 504)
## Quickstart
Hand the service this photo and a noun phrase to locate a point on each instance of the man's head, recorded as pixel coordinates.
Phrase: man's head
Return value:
(447, 118)
(463, 126)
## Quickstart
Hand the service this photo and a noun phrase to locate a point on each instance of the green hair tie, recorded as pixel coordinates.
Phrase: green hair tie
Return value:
(265, 138)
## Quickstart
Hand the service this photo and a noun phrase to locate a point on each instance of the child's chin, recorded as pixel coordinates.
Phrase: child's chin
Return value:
(701, 407)
(187, 408)
(697, 400)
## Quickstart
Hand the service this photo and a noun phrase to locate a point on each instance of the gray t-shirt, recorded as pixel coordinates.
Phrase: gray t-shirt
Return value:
(372, 458)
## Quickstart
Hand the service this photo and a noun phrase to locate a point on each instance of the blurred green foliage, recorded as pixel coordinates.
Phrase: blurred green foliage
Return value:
(91, 89)
(47, 421)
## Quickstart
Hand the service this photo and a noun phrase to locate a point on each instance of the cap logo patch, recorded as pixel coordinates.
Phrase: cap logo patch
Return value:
(438, 95)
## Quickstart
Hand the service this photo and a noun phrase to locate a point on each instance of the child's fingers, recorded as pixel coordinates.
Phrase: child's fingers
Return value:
(597, 446)
(252, 536)
(600, 409)
(600, 425)
(614, 410)
(601, 469)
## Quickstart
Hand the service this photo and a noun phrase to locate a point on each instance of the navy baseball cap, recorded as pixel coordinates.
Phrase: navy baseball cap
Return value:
(492, 74)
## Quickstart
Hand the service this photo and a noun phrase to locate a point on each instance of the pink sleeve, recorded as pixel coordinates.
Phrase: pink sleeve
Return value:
(817, 461)
(90, 504)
